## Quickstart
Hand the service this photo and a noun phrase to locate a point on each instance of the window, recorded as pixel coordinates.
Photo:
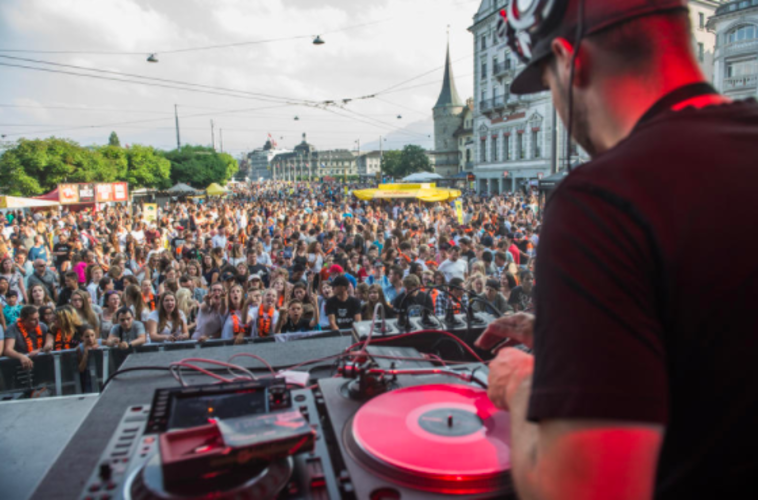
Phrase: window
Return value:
(507, 147)
(484, 42)
(700, 52)
(742, 68)
(520, 153)
(506, 91)
(536, 142)
(494, 65)
(702, 20)
(493, 145)
(507, 62)
(483, 152)
(484, 68)
(747, 32)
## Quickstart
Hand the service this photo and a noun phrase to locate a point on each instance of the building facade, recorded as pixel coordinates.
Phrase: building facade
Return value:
(512, 135)
(703, 39)
(465, 137)
(369, 163)
(259, 161)
(306, 162)
(735, 67)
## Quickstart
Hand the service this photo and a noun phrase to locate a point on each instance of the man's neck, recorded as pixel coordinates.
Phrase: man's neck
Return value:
(342, 296)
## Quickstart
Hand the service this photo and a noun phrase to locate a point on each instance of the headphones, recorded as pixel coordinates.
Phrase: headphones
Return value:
(523, 22)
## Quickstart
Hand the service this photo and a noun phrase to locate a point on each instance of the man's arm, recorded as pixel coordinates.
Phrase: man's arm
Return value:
(333, 322)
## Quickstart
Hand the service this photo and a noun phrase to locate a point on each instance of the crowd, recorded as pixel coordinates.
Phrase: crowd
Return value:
(272, 258)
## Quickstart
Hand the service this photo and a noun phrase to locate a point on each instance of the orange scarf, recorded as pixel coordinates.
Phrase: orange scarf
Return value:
(27, 339)
(264, 321)
(61, 343)
(281, 302)
(150, 301)
(236, 328)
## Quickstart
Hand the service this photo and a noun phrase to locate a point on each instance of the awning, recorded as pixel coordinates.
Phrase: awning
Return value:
(423, 192)
(16, 202)
(215, 190)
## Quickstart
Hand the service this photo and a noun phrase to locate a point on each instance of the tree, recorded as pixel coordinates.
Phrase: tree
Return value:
(116, 163)
(200, 166)
(146, 167)
(34, 167)
(113, 140)
(410, 160)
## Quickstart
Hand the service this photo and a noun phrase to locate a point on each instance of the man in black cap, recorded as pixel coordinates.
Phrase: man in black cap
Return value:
(342, 309)
(641, 385)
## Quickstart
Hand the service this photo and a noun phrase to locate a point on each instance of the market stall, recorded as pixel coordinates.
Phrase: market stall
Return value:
(422, 192)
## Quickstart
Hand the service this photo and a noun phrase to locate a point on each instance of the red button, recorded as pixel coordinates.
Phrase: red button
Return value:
(95, 487)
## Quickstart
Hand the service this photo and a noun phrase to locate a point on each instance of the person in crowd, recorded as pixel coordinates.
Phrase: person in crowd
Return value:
(107, 317)
(493, 296)
(522, 295)
(8, 270)
(90, 341)
(80, 301)
(66, 331)
(342, 309)
(264, 318)
(25, 338)
(235, 326)
(127, 332)
(70, 285)
(376, 296)
(47, 315)
(291, 319)
(211, 315)
(454, 266)
(167, 323)
(12, 308)
(132, 298)
(45, 277)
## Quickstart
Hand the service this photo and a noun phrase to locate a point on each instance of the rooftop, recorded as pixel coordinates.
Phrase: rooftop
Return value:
(730, 7)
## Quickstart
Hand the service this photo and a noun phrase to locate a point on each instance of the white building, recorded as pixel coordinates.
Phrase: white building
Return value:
(369, 163)
(260, 161)
(735, 66)
(513, 135)
(703, 39)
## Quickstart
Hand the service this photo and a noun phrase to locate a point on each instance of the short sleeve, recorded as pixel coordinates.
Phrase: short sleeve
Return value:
(599, 351)
(153, 316)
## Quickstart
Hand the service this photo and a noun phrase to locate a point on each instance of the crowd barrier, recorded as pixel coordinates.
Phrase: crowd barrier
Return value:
(57, 373)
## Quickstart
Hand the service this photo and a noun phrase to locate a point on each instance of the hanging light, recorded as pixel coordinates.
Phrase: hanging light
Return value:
(297, 118)
(399, 117)
(152, 58)
(318, 40)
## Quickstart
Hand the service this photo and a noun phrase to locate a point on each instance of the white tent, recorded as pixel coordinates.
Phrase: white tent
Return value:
(423, 177)
(17, 202)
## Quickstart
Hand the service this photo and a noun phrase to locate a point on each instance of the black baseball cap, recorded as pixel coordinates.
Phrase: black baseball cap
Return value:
(340, 281)
(598, 15)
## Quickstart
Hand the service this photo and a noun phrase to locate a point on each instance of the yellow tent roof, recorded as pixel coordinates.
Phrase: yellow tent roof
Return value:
(215, 190)
(16, 202)
(423, 192)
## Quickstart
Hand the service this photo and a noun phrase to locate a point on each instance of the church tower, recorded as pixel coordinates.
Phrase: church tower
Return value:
(448, 114)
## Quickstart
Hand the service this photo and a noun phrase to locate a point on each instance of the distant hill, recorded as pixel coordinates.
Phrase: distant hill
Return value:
(420, 133)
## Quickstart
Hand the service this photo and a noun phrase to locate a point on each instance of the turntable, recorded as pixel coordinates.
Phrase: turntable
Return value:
(430, 438)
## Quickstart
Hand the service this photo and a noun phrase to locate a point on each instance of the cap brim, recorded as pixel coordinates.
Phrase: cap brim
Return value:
(529, 81)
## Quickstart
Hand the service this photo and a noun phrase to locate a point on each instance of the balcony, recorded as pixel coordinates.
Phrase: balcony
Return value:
(741, 47)
(498, 102)
(503, 69)
(485, 105)
(738, 83)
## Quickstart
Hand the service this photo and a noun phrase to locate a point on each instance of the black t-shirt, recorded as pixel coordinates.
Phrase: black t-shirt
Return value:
(344, 312)
(61, 247)
(301, 326)
(639, 318)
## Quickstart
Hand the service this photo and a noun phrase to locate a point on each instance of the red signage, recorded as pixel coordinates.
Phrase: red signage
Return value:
(104, 193)
(68, 194)
(505, 174)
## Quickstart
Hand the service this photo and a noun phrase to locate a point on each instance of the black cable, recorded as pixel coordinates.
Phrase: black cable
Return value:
(133, 369)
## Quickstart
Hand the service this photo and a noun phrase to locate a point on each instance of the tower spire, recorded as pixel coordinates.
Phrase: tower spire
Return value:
(449, 94)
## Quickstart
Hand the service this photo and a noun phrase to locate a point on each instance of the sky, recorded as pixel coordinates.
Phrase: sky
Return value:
(90, 76)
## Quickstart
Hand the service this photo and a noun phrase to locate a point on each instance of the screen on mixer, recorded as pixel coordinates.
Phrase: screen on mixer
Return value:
(195, 410)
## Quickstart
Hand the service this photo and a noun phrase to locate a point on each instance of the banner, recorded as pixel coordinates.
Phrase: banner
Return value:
(459, 211)
(86, 193)
(151, 212)
(68, 194)
(120, 191)
(104, 193)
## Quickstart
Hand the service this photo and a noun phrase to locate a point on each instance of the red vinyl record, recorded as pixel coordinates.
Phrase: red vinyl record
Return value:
(445, 433)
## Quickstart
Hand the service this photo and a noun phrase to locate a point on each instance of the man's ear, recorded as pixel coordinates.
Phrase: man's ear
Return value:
(563, 52)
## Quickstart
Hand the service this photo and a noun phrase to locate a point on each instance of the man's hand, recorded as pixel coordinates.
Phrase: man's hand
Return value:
(517, 327)
(26, 363)
(34, 353)
(123, 345)
(510, 371)
(239, 339)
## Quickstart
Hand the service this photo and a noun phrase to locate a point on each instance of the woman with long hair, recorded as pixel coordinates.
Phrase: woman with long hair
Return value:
(324, 294)
(107, 317)
(15, 279)
(237, 255)
(279, 284)
(66, 330)
(80, 303)
(148, 296)
(38, 296)
(47, 316)
(167, 323)
(134, 301)
(189, 307)
(507, 284)
(93, 273)
(376, 296)
(315, 256)
(236, 317)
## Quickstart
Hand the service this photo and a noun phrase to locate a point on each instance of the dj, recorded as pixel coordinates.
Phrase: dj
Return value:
(644, 380)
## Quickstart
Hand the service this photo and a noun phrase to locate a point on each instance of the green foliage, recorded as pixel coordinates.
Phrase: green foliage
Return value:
(410, 160)
(116, 163)
(33, 167)
(147, 168)
(200, 166)
(113, 140)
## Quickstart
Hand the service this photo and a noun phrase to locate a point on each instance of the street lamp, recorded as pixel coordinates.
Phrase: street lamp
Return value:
(152, 58)
(318, 40)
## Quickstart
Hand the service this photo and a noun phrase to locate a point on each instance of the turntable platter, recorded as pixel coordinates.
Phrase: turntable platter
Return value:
(442, 438)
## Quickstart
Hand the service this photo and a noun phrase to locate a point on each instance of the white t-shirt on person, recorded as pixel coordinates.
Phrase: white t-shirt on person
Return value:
(252, 316)
(170, 327)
